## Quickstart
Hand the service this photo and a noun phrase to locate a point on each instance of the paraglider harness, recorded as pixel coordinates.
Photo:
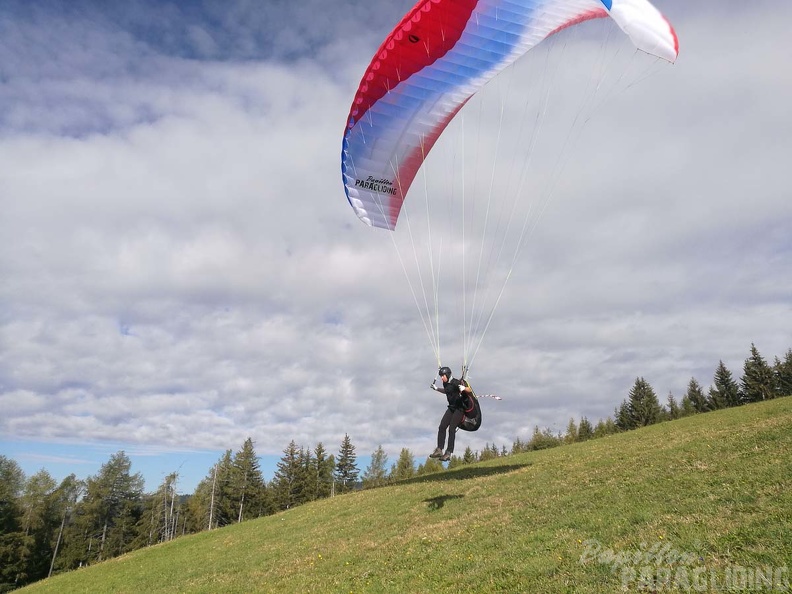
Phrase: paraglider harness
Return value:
(471, 420)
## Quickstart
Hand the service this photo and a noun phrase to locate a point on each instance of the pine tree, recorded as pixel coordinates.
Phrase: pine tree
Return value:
(571, 434)
(160, 509)
(488, 453)
(543, 439)
(64, 503)
(404, 467)
(783, 374)
(307, 490)
(673, 410)
(643, 407)
(695, 395)
(12, 481)
(605, 427)
(247, 483)
(200, 505)
(758, 383)
(469, 457)
(585, 430)
(725, 392)
(286, 479)
(687, 408)
(223, 505)
(324, 471)
(37, 524)
(624, 421)
(376, 474)
(347, 471)
(431, 466)
(112, 507)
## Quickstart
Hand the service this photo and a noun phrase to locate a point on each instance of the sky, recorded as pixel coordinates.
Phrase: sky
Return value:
(180, 269)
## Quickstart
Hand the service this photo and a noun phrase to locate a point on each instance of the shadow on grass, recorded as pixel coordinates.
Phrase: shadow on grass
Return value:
(436, 503)
(463, 473)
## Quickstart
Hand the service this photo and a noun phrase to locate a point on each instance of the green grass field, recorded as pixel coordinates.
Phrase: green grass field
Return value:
(703, 502)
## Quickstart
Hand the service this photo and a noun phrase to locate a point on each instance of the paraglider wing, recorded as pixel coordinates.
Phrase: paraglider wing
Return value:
(436, 58)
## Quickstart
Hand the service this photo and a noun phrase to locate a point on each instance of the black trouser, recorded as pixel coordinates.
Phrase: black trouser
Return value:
(451, 420)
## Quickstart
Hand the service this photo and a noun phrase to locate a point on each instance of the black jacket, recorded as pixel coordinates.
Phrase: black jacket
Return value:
(456, 399)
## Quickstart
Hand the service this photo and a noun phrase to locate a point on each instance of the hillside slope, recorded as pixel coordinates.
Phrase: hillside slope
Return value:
(706, 499)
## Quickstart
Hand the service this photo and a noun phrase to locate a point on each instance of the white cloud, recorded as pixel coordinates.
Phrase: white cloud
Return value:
(180, 267)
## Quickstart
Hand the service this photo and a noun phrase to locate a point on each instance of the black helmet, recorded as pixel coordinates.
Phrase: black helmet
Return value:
(444, 371)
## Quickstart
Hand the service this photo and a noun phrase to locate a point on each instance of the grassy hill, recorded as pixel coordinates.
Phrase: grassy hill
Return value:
(704, 501)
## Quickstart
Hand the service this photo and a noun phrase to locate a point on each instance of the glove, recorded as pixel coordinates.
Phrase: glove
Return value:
(461, 388)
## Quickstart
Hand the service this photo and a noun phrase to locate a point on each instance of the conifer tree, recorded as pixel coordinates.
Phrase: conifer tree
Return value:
(585, 430)
(160, 509)
(12, 481)
(200, 505)
(624, 421)
(248, 488)
(673, 410)
(686, 408)
(571, 434)
(325, 464)
(346, 473)
(223, 505)
(725, 392)
(543, 439)
(605, 427)
(431, 466)
(37, 524)
(643, 407)
(111, 509)
(404, 467)
(695, 395)
(454, 462)
(64, 502)
(469, 456)
(758, 383)
(489, 452)
(307, 490)
(783, 374)
(287, 475)
(376, 474)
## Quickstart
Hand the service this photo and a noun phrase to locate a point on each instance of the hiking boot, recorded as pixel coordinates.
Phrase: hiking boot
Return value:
(437, 453)
(446, 457)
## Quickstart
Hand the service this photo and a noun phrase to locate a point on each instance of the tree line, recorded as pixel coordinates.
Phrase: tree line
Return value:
(47, 528)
